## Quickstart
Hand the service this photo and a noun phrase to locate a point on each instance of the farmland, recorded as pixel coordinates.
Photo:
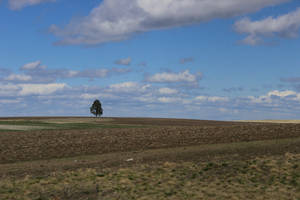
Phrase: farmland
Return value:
(143, 158)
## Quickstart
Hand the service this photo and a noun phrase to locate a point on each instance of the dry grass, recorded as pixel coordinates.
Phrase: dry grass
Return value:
(20, 127)
(76, 120)
(269, 177)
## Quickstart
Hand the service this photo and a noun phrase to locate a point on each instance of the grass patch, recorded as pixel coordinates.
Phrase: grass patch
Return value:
(7, 130)
(88, 126)
(269, 177)
(63, 126)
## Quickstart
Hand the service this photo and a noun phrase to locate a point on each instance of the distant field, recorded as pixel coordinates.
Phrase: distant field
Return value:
(144, 158)
(29, 124)
(20, 127)
(273, 121)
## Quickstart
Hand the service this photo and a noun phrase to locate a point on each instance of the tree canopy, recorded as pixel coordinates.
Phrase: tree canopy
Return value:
(96, 108)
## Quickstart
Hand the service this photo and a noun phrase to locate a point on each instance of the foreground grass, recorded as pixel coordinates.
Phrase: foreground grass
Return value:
(271, 177)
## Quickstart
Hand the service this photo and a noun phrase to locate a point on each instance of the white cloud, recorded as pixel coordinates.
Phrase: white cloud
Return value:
(212, 98)
(72, 73)
(115, 20)
(18, 77)
(146, 98)
(169, 99)
(167, 91)
(8, 89)
(125, 85)
(96, 73)
(285, 93)
(19, 4)
(125, 61)
(229, 111)
(128, 87)
(170, 77)
(38, 98)
(286, 26)
(90, 96)
(35, 72)
(33, 66)
(17, 90)
(9, 101)
(40, 89)
(270, 96)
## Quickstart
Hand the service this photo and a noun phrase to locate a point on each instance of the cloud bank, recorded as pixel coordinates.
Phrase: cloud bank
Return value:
(284, 26)
(35, 72)
(115, 20)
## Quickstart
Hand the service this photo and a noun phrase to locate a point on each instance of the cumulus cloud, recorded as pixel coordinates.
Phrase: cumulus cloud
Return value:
(35, 72)
(41, 89)
(89, 96)
(9, 101)
(285, 26)
(169, 99)
(125, 61)
(273, 96)
(8, 90)
(33, 66)
(126, 87)
(19, 4)
(230, 111)
(281, 94)
(170, 77)
(88, 73)
(211, 99)
(18, 77)
(115, 20)
(16, 90)
(96, 73)
(167, 91)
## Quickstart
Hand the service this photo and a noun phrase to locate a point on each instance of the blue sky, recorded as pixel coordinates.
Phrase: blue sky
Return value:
(222, 59)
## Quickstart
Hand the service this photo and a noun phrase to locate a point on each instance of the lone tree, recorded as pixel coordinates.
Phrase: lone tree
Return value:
(96, 108)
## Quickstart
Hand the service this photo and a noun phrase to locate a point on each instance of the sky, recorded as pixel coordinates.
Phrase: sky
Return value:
(198, 59)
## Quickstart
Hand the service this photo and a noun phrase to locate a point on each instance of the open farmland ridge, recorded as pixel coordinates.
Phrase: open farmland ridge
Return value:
(143, 158)
(128, 134)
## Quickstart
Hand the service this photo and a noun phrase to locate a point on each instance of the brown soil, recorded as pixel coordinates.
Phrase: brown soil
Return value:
(49, 144)
(202, 153)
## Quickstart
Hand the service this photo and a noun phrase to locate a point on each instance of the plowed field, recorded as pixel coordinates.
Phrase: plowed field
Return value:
(48, 144)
